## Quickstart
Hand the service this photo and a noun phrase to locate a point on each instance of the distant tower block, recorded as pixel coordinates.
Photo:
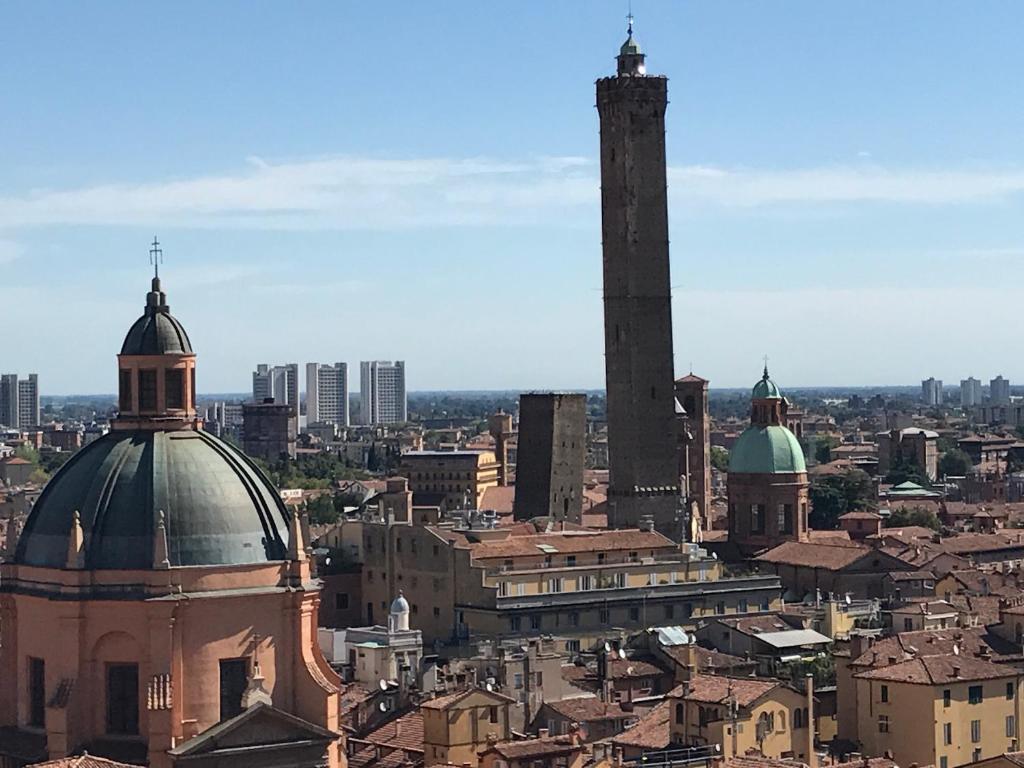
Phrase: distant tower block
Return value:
(550, 454)
(642, 425)
(500, 427)
(695, 442)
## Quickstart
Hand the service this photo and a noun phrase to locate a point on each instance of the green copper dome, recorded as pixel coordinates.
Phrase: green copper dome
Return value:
(766, 450)
(218, 508)
(766, 389)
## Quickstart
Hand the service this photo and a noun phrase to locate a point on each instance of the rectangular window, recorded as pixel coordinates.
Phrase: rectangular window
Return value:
(502, 589)
(976, 755)
(493, 714)
(743, 607)
(572, 646)
(883, 723)
(36, 693)
(514, 623)
(521, 588)
(174, 388)
(946, 697)
(670, 611)
(885, 693)
(1011, 726)
(234, 674)
(974, 694)
(585, 583)
(720, 608)
(518, 680)
(124, 396)
(147, 391)
(943, 762)
(634, 613)
(757, 518)
(975, 731)
(554, 585)
(574, 619)
(535, 622)
(603, 616)
(1010, 689)
(341, 601)
(947, 733)
(123, 699)
(570, 560)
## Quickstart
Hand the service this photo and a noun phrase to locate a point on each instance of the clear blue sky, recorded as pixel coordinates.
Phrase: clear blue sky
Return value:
(346, 181)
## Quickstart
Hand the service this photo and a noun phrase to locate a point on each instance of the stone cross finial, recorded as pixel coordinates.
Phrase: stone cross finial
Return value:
(156, 257)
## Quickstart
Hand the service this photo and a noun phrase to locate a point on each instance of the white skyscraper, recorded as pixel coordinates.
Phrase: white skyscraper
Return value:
(970, 392)
(999, 391)
(327, 394)
(280, 382)
(382, 392)
(931, 391)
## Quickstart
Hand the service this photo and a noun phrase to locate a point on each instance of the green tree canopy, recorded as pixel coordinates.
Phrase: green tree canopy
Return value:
(954, 463)
(905, 470)
(835, 495)
(905, 516)
(719, 458)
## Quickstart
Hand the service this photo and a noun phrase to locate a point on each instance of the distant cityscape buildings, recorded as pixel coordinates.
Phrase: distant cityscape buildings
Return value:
(382, 395)
(327, 394)
(970, 392)
(279, 383)
(999, 391)
(19, 401)
(931, 391)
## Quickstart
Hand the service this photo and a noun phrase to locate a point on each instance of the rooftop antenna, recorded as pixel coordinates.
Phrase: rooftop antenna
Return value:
(156, 257)
(766, 366)
(629, 19)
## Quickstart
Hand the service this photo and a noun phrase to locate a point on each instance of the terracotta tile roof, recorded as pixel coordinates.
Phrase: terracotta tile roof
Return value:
(861, 514)
(597, 521)
(830, 557)
(840, 538)
(717, 689)
(939, 670)
(966, 543)
(405, 732)
(868, 762)
(753, 761)
(908, 532)
(588, 709)
(568, 542)
(707, 659)
(756, 625)
(82, 761)
(352, 695)
(984, 607)
(653, 731)
(910, 575)
(499, 498)
(932, 642)
(527, 748)
(450, 699)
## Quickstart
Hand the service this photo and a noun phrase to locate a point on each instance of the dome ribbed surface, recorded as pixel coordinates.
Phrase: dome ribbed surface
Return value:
(156, 333)
(219, 508)
(766, 450)
(766, 389)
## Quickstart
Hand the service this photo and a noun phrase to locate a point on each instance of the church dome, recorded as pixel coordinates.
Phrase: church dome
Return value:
(766, 450)
(766, 389)
(157, 332)
(218, 508)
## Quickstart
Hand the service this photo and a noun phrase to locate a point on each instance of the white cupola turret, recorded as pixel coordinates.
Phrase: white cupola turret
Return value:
(398, 621)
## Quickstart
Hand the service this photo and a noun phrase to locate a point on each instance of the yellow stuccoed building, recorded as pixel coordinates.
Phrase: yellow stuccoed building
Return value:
(944, 711)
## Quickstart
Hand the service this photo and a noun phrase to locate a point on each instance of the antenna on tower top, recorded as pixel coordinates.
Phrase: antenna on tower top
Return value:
(629, 19)
(156, 257)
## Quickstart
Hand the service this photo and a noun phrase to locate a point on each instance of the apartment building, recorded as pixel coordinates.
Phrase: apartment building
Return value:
(450, 479)
(931, 391)
(19, 401)
(327, 394)
(970, 392)
(382, 394)
(999, 391)
(502, 583)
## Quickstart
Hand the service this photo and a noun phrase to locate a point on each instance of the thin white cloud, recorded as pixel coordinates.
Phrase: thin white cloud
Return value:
(9, 251)
(371, 193)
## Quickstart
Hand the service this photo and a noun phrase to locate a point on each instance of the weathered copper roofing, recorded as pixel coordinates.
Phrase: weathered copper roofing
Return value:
(157, 332)
(219, 508)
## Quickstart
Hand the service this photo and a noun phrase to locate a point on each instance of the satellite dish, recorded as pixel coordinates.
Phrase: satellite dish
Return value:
(629, 670)
(956, 650)
(622, 654)
(714, 555)
(383, 685)
(607, 647)
(489, 687)
(383, 707)
(847, 599)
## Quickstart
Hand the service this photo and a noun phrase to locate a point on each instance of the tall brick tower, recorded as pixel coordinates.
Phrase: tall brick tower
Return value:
(642, 439)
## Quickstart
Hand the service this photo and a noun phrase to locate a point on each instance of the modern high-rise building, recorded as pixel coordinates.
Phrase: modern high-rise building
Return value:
(327, 394)
(931, 391)
(970, 392)
(999, 391)
(279, 382)
(9, 415)
(19, 401)
(642, 425)
(382, 398)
